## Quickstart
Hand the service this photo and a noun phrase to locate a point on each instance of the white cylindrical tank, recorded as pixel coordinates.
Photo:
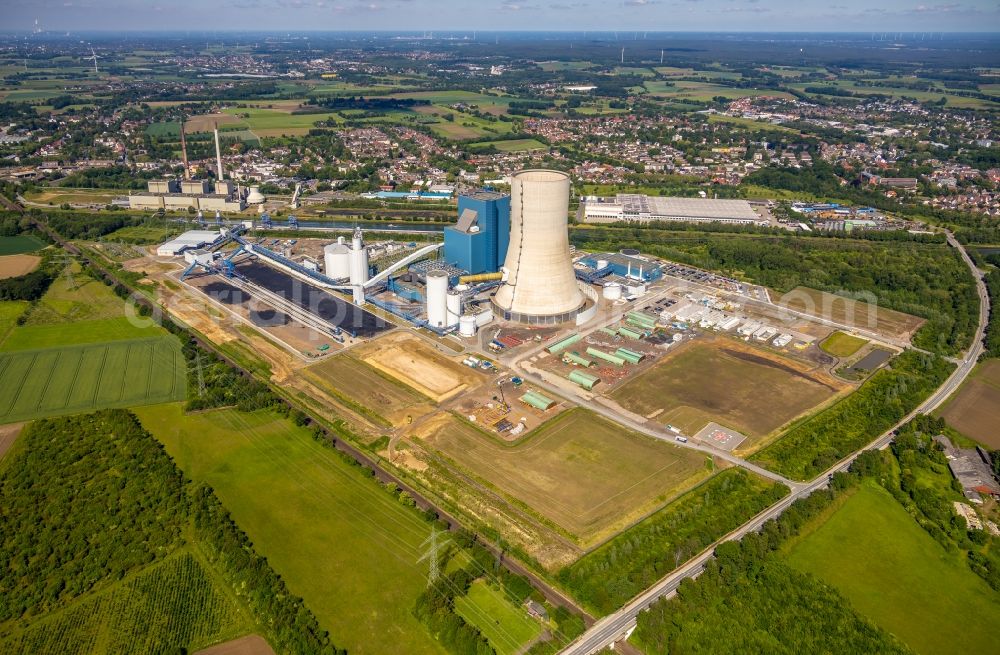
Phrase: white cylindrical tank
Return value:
(454, 307)
(437, 299)
(540, 280)
(359, 259)
(337, 260)
(484, 317)
(467, 326)
(612, 291)
(601, 263)
(255, 197)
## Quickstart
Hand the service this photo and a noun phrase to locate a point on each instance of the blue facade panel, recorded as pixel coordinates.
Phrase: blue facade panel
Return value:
(483, 251)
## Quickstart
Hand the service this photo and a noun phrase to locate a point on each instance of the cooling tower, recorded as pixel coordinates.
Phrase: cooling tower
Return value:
(539, 284)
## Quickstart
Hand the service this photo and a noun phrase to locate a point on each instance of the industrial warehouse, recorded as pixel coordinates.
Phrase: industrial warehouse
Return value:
(642, 208)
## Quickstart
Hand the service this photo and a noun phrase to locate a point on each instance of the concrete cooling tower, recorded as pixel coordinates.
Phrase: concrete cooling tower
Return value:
(539, 283)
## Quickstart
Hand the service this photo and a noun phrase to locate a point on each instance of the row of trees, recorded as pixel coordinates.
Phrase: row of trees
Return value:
(612, 574)
(749, 600)
(819, 442)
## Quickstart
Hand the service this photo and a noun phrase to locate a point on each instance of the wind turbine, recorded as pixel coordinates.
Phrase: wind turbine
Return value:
(93, 55)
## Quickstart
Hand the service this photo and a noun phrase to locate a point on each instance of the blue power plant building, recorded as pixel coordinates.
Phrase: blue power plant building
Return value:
(478, 242)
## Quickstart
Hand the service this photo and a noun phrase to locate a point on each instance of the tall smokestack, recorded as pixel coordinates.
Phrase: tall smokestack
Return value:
(184, 153)
(218, 153)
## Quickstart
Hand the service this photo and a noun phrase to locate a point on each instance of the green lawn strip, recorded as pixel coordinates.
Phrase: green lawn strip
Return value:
(10, 310)
(507, 627)
(17, 245)
(349, 549)
(896, 574)
(27, 337)
(841, 344)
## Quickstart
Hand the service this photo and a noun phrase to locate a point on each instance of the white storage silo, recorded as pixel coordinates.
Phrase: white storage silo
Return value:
(337, 260)
(359, 259)
(540, 284)
(612, 291)
(467, 326)
(437, 299)
(454, 307)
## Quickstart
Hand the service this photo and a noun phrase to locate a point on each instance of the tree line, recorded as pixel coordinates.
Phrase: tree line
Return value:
(748, 600)
(818, 443)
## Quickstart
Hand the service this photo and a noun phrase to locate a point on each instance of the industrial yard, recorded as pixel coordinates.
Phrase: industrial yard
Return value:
(470, 382)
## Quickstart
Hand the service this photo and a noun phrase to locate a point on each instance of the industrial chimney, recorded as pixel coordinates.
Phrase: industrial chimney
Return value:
(539, 282)
(218, 154)
(184, 152)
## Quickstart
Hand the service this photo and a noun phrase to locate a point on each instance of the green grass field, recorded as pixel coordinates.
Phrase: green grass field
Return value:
(349, 549)
(841, 344)
(19, 244)
(580, 471)
(507, 627)
(143, 234)
(174, 604)
(29, 337)
(73, 379)
(897, 575)
(749, 124)
(513, 145)
(268, 122)
(10, 310)
(74, 296)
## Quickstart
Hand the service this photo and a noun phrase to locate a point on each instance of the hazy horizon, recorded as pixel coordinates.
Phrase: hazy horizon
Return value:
(661, 16)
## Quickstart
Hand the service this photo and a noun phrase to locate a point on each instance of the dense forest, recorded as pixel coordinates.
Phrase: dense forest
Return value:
(814, 445)
(88, 499)
(930, 281)
(749, 601)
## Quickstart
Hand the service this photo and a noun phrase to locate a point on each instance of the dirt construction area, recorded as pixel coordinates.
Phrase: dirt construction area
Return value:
(589, 476)
(975, 409)
(412, 361)
(346, 377)
(16, 265)
(846, 311)
(719, 379)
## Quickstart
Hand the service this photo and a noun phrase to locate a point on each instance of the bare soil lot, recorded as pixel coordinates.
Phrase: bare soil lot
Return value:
(346, 377)
(724, 380)
(249, 645)
(413, 362)
(17, 265)
(975, 409)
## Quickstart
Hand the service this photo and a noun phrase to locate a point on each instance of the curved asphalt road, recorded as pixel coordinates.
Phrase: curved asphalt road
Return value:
(614, 626)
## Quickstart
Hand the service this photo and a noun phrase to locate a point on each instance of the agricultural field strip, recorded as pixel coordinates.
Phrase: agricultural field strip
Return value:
(52, 364)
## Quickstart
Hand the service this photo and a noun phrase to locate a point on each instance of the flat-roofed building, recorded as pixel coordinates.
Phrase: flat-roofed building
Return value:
(637, 207)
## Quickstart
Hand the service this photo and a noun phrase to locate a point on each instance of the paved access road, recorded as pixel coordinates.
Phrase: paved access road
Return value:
(614, 626)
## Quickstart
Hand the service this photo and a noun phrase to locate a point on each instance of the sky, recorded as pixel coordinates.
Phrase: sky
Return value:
(486, 15)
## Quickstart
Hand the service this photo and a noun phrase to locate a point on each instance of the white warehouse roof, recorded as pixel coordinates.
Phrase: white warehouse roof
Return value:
(189, 240)
(631, 206)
